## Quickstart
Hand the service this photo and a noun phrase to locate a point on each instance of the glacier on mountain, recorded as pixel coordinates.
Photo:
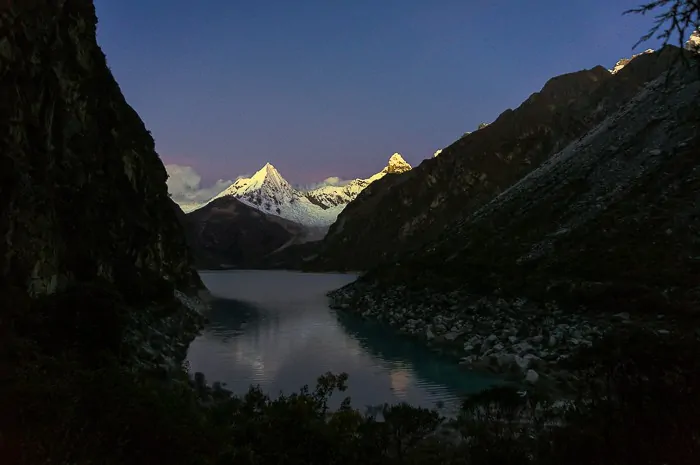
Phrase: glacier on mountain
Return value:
(270, 193)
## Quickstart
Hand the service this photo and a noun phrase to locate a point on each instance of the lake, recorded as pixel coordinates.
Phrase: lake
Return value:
(275, 329)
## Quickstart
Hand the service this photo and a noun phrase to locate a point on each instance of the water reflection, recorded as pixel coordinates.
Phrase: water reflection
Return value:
(433, 372)
(275, 329)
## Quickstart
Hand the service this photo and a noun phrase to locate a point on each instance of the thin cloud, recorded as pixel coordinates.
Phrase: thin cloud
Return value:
(332, 181)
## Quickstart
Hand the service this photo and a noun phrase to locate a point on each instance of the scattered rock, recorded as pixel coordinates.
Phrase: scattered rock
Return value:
(523, 363)
(516, 338)
(531, 377)
(506, 360)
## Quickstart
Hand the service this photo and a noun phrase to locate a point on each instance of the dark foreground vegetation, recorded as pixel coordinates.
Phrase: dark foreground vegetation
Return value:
(637, 403)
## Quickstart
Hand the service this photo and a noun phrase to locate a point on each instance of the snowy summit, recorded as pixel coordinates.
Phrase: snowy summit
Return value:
(270, 193)
(397, 165)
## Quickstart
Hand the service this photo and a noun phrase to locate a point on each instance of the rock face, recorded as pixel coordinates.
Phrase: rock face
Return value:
(604, 234)
(83, 197)
(399, 214)
(229, 233)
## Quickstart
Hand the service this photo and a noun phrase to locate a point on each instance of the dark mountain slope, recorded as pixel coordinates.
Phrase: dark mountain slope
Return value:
(88, 235)
(97, 286)
(605, 234)
(403, 213)
(228, 233)
(82, 191)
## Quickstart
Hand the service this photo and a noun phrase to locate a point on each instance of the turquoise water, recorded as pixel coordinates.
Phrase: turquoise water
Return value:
(274, 328)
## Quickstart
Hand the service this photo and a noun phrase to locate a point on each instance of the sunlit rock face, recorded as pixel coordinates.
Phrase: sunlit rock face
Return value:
(693, 43)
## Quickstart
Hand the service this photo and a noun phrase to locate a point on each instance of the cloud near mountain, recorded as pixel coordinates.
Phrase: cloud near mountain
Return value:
(332, 181)
(185, 185)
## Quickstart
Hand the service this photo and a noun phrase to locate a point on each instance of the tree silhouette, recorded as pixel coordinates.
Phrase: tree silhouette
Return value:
(672, 17)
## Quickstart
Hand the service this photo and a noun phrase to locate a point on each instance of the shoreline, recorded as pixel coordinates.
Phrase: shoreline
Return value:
(289, 270)
(522, 341)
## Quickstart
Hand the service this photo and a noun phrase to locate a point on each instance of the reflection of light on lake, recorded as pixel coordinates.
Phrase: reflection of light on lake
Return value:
(400, 381)
(266, 353)
(284, 339)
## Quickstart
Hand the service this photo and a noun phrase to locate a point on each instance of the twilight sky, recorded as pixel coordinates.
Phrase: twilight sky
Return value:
(325, 88)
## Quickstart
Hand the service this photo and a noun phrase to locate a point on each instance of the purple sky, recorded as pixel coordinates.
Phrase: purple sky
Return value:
(325, 88)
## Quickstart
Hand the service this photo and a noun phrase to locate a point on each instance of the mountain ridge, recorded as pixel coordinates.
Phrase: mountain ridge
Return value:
(601, 237)
(479, 165)
(268, 191)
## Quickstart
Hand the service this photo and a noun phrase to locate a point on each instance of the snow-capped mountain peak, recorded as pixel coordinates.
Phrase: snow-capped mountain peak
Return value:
(266, 180)
(397, 164)
(334, 196)
(270, 193)
(268, 174)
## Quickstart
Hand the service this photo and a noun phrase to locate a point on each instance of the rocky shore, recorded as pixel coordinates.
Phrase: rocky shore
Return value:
(162, 343)
(518, 339)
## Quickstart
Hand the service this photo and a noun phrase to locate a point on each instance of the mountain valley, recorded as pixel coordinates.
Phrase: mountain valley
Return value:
(263, 215)
(543, 208)
(540, 274)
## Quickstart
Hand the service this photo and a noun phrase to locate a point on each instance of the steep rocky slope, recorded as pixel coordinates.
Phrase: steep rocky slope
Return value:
(228, 233)
(399, 214)
(87, 229)
(604, 233)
